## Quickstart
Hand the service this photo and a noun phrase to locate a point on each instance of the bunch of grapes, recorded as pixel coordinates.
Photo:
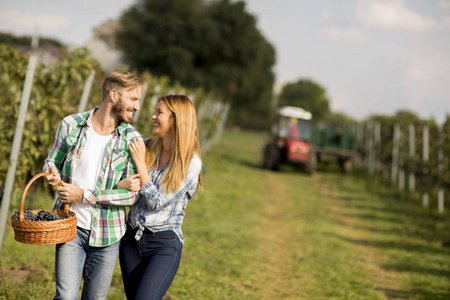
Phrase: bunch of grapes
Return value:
(40, 216)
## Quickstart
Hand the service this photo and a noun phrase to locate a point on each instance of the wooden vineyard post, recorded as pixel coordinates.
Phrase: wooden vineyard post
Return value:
(17, 141)
(377, 138)
(440, 169)
(412, 153)
(394, 169)
(426, 158)
(401, 163)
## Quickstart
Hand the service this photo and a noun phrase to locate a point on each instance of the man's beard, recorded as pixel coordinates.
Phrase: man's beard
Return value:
(117, 110)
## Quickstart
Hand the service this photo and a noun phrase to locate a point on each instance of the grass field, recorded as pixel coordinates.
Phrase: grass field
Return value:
(258, 234)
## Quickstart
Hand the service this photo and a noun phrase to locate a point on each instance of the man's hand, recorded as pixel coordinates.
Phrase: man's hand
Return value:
(54, 178)
(69, 193)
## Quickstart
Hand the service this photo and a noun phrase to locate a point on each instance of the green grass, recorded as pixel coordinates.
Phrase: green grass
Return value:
(408, 236)
(258, 234)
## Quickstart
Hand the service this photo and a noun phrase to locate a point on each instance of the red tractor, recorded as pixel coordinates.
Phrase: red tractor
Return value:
(291, 140)
(294, 142)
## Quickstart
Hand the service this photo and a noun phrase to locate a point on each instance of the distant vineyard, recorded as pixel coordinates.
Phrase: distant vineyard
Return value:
(413, 156)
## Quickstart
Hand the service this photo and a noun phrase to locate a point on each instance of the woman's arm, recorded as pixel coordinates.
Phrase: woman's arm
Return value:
(137, 149)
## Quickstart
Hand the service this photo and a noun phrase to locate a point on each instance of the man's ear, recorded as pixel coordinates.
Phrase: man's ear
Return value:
(114, 95)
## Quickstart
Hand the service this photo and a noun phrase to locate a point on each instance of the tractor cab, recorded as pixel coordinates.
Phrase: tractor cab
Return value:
(292, 123)
(290, 141)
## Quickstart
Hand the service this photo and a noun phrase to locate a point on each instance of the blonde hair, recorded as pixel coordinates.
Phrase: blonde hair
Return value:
(120, 80)
(184, 144)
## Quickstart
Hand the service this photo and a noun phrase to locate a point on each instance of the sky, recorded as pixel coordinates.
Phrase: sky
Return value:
(371, 56)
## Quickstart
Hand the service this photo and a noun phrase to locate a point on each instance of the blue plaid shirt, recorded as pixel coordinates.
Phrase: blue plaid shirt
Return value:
(160, 211)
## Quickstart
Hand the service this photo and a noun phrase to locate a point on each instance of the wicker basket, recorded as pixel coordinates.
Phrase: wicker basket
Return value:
(46, 232)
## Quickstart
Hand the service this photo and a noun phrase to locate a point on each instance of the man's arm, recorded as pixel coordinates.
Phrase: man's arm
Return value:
(115, 196)
(69, 193)
(56, 155)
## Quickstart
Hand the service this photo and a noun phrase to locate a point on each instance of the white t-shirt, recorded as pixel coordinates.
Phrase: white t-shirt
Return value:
(87, 172)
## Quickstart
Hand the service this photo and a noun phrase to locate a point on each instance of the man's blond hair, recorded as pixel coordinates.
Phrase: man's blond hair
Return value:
(120, 80)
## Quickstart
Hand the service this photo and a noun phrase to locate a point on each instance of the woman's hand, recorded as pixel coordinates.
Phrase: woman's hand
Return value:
(131, 183)
(137, 150)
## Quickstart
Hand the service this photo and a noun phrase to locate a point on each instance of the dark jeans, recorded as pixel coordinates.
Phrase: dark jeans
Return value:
(150, 264)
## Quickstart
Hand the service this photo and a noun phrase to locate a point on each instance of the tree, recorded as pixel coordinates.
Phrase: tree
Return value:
(308, 95)
(340, 117)
(209, 44)
(25, 40)
(402, 117)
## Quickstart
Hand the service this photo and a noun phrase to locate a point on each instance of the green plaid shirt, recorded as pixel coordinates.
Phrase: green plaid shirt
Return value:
(108, 203)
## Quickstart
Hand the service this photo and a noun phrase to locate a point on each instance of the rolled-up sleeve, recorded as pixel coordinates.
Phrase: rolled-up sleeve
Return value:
(59, 148)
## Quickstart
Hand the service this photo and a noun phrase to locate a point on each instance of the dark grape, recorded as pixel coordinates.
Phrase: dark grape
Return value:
(40, 216)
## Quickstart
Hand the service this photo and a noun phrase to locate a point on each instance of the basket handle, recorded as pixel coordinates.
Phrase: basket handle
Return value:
(21, 213)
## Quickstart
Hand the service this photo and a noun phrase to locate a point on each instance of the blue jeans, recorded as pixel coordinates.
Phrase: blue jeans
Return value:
(75, 258)
(150, 264)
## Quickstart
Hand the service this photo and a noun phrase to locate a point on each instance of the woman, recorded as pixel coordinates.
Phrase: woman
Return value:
(169, 165)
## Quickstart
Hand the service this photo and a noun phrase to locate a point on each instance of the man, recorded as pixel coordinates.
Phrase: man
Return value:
(90, 156)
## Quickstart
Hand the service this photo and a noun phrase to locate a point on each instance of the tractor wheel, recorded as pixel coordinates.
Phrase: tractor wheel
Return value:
(271, 157)
(275, 155)
(311, 165)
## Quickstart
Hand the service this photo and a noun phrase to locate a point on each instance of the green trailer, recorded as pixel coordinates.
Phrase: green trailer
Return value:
(334, 142)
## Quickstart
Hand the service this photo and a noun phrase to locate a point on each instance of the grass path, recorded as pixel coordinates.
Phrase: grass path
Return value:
(275, 233)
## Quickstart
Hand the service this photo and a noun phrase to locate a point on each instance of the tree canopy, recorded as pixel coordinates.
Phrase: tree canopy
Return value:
(209, 44)
(308, 95)
(25, 40)
(403, 117)
(340, 117)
